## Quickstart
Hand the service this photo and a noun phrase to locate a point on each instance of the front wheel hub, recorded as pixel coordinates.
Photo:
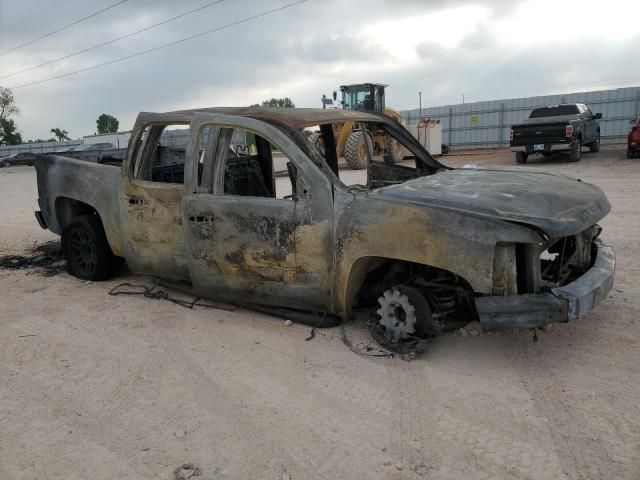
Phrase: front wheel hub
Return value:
(397, 316)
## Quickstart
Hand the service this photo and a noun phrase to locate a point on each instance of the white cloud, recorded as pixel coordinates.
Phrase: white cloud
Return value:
(482, 48)
(401, 37)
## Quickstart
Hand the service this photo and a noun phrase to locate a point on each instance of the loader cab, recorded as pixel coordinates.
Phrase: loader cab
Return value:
(364, 97)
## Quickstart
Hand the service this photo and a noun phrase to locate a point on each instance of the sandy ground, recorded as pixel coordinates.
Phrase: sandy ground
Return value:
(101, 387)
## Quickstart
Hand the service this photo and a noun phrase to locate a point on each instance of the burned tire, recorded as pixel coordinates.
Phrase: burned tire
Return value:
(576, 150)
(87, 250)
(355, 150)
(594, 147)
(521, 157)
(392, 150)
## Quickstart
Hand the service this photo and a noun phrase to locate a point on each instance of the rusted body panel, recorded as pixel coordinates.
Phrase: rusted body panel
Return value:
(153, 233)
(91, 183)
(486, 226)
(371, 227)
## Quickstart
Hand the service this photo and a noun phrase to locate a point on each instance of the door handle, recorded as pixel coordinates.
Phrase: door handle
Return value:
(136, 201)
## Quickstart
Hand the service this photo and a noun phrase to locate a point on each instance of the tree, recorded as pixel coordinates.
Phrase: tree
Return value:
(8, 130)
(9, 134)
(279, 102)
(8, 105)
(60, 134)
(107, 124)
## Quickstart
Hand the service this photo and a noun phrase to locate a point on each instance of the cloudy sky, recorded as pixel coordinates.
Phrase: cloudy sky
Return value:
(483, 49)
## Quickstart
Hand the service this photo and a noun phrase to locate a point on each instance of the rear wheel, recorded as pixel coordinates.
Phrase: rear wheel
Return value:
(576, 150)
(521, 157)
(5, 164)
(355, 149)
(87, 250)
(630, 153)
(594, 147)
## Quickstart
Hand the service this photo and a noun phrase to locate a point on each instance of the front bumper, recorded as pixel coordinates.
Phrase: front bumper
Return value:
(561, 304)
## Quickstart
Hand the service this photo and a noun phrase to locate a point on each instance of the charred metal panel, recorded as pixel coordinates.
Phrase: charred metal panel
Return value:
(520, 311)
(93, 184)
(152, 230)
(560, 305)
(258, 250)
(368, 226)
(543, 200)
(261, 250)
(591, 288)
(504, 270)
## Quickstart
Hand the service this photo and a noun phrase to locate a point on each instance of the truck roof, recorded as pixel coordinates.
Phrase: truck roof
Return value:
(292, 117)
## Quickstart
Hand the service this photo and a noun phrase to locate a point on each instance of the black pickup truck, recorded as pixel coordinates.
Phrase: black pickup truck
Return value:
(566, 127)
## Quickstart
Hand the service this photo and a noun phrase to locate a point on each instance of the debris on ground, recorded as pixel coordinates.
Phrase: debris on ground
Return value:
(187, 471)
(154, 292)
(288, 323)
(472, 329)
(46, 259)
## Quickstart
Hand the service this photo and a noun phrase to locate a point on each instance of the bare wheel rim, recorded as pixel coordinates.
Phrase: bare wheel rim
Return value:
(84, 258)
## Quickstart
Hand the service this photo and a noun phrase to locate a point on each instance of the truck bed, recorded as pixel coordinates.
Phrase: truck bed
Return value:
(541, 130)
(63, 179)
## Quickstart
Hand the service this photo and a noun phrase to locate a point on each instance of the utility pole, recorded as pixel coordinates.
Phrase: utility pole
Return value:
(420, 97)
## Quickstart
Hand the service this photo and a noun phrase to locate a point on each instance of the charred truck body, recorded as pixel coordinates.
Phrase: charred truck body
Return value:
(426, 246)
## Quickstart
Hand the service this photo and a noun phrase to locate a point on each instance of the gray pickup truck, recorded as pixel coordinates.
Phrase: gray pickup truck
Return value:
(423, 246)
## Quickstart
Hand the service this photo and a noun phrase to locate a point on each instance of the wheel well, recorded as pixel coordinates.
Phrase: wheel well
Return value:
(370, 276)
(68, 208)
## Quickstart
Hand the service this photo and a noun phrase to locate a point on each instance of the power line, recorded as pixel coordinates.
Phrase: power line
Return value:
(25, 19)
(144, 52)
(114, 40)
(63, 28)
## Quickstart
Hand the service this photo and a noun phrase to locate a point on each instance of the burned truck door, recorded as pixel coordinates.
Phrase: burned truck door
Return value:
(244, 243)
(151, 203)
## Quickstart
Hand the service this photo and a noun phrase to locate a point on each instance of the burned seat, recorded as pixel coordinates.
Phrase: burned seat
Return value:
(243, 176)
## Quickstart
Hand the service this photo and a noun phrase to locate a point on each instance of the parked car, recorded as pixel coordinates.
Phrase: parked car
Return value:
(426, 246)
(556, 128)
(633, 140)
(21, 158)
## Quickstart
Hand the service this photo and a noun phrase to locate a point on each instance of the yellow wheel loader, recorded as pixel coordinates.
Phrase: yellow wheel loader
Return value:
(350, 139)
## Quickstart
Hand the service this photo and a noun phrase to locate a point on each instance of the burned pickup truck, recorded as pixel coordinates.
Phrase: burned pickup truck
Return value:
(423, 246)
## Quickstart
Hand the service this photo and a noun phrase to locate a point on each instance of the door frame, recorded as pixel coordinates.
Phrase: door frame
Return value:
(312, 210)
(164, 253)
